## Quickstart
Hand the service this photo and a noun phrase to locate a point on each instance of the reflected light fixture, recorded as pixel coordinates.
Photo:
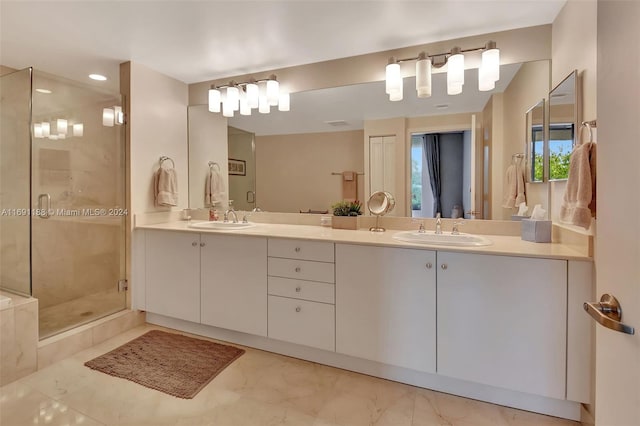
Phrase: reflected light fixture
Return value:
(112, 116)
(56, 129)
(97, 77)
(488, 73)
(261, 94)
(45, 91)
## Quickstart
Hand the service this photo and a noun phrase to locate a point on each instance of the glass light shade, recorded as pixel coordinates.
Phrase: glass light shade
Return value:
(484, 82)
(396, 95)
(284, 104)
(46, 129)
(273, 92)
(214, 100)
(455, 69)
(423, 78)
(245, 109)
(37, 130)
(263, 105)
(233, 98)
(108, 117)
(394, 78)
(78, 130)
(491, 63)
(454, 89)
(253, 93)
(227, 109)
(118, 115)
(61, 126)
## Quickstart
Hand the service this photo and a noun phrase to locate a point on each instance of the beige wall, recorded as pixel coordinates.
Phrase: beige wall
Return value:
(6, 70)
(519, 45)
(293, 172)
(528, 87)
(157, 126)
(574, 46)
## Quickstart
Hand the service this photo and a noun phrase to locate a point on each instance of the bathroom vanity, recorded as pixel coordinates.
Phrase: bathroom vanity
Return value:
(501, 323)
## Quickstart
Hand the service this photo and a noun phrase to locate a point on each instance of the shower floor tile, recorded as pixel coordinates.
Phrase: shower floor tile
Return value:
(259, 388)
(65, 316)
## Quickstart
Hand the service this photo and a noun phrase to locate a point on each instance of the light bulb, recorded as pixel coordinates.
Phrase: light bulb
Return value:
(491, 61)
(253, 93)
(284, 104)
(78, 130)
(423, 78)
(263, 105)
(273, 92)
(394, 78)
(214, 100)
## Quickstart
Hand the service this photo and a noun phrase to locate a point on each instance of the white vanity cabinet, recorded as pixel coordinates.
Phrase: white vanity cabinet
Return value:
(502, 321)
(172, 271)
(302, 292)
(386, 305)
(233, 277)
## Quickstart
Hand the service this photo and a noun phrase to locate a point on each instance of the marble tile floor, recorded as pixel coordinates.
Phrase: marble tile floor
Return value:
(260, 388)
(65, 316)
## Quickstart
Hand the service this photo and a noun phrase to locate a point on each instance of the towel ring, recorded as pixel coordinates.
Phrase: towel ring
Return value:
(213, 164)
(588, 125)
(165, 158)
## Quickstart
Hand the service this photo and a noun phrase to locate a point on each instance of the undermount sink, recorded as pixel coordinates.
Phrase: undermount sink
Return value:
(442, 239)
(222, 225)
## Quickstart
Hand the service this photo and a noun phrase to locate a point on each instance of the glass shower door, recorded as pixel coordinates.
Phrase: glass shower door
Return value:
(78, 199)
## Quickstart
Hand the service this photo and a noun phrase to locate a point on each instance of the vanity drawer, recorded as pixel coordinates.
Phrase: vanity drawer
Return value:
(299, 249)
(299, 289)
(301, 269)
(302, 322)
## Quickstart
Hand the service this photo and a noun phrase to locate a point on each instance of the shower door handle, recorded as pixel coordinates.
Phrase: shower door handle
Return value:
(43, 212)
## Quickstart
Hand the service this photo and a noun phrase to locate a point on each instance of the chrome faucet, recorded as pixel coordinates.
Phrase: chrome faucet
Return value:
(230, 211)
(454, 230)
(438, 224)
(421, 229)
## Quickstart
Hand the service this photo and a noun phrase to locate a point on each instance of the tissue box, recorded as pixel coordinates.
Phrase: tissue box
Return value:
(537, 231)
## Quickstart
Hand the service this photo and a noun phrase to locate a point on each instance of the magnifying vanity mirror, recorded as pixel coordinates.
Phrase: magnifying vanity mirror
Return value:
(563, 122)
(379, 204)
(299, 157)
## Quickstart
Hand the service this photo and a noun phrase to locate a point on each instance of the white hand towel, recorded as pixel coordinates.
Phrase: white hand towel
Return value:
(214, 190)
(166, 187)
(521, 196)
(579, 201)
(510, 188)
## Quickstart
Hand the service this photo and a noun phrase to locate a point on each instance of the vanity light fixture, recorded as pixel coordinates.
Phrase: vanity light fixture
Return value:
(56, 129)
(243, 97)
(488, 73)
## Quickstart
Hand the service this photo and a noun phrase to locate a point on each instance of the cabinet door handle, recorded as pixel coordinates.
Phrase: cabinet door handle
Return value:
(298, 289)
(297, 249)
(297, 269)
(194, 243)
(298, 308)
(443, 266)
(429, 265)
(203, 244)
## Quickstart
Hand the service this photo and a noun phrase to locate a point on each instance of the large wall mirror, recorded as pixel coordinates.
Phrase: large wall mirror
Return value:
(563, 122)
(301, 156)
(535, 138)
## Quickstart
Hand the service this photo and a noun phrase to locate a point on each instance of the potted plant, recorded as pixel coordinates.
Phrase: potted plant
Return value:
(345, 214)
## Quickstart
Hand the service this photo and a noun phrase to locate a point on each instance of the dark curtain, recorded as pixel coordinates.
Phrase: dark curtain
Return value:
(432, 160)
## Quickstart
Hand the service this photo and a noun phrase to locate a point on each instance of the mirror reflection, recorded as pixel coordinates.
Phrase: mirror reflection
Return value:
(354, 139)
(563, 119)
(535, 142)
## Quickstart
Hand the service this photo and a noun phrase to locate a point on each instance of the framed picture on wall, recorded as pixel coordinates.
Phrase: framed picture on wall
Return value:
(237, 167)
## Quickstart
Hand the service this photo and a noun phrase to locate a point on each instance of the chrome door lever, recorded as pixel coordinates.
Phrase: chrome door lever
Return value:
(608, 313)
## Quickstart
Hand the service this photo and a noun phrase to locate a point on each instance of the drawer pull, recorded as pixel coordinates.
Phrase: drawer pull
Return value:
(297, 249)
(297, 269)
(429, 265)
(194, 244)
(202, 244)
(298, 309)
(443, 266)
(298, 289)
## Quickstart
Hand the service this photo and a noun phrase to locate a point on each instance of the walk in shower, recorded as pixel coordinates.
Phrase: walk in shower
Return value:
(62, 198)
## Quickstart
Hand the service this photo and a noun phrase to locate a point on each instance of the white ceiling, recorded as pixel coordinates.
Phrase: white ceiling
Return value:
(195, 41)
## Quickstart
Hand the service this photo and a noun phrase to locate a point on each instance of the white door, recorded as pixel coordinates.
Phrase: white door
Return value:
(618, 235)
(382, 160)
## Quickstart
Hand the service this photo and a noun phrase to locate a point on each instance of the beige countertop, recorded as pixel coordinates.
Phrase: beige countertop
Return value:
(502, 245)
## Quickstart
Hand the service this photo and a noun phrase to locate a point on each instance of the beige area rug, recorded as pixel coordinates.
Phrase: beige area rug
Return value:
(171, 363)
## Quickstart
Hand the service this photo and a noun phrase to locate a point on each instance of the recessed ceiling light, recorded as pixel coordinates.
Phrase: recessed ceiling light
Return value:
(98, 77)
(46, 91)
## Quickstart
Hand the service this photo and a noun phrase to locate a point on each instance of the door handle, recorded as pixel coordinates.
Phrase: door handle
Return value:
(608, 313)
(43, 212)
